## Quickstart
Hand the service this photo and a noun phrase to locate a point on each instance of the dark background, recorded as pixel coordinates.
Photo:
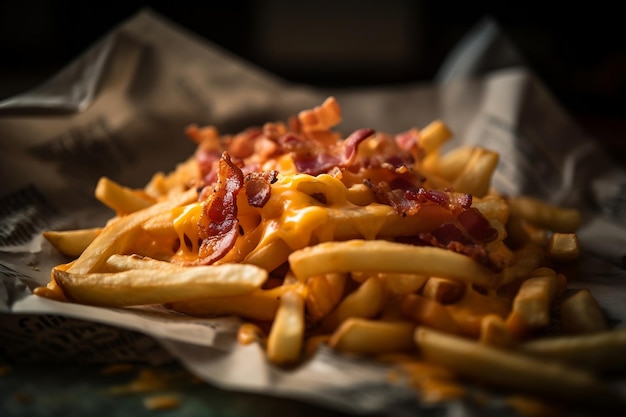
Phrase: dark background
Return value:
(578, 49)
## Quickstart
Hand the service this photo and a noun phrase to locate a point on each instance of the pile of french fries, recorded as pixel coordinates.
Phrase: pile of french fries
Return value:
(322, 264)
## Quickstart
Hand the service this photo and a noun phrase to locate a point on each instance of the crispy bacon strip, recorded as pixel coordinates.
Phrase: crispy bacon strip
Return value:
(477, 225)
(218, 224)
(311, 158)
(259, 187)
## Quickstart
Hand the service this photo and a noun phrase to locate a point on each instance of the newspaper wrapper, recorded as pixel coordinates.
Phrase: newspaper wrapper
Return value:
(120, 111)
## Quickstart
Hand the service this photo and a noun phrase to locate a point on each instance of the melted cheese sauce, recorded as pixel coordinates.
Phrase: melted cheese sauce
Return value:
(302, 210)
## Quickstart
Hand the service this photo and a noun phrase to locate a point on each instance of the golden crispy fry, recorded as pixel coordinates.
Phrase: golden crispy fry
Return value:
(366, 302)
(402, 284)
(443, 290)
(360, 195)
(160, 286)
(580, 314)
(546, 216)
(433, 136)
(286, 338)
(363, 336)
(185, 176)
(449, 165)
(598, 352)
(493, 207)
(474, 306)
(527, 259)
(377, 221)
(427, 312)
(494, 332)
(564, 247)
(513, 370)
(270, 256)
(71, 242)
(259, 305)
(319, 299)
(119, 263)
(475, 178)
(531, 306)
(384, 256)
(118, 236)
(122, 199)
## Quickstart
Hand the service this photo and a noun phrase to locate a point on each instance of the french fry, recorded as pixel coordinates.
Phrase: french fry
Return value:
(286, 338)
(270, 256)
(185, 176)
(581, 313)
(493, 207)
(476, 176)
(119, 263)
(514, 370)
(600, 352)
(160, 286)
(360, 195)
(433, 136)
(527, 259)
(71, 242)
(337, 286)
(470, 311)
(365, 302)
(260, 305)
(443, 290)
(358, 222)
(402, 284)
(384, 256)
(319, 301)
(544, 215)
(449, 165)
(118, 236)
(563, 247)
(122, 200)
(531, 306)
(494, 332)
(368, 337)
(427, 312)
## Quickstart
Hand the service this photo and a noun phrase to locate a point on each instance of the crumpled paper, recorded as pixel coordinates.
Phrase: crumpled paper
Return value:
(120, 110)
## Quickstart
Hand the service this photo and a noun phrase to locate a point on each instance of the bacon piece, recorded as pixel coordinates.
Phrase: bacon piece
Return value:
(218, 224)
(208, 160)
(351, 144)
(477, 252)
(208, 151)
(394, 197)
(311, 158)
(407, 140)
(456, 202)
(477, 226)
(242, 145)
(259, 187)
(447, 233)
(406, 197)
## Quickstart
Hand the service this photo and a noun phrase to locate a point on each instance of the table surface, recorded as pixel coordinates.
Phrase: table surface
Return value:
(65, 389)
